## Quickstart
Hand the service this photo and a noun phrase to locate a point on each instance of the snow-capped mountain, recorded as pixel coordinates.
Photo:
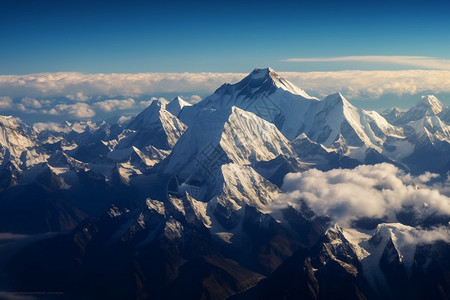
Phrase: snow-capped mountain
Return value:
(338, 124)
(187, 201)
(222, 136)
(176, 105)
(20, 150)
(330, 121)
(427, 106)
(264, 93)
(392, 114)
(154, 126)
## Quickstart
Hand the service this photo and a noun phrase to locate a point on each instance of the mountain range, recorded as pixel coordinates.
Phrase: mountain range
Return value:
(189, 201)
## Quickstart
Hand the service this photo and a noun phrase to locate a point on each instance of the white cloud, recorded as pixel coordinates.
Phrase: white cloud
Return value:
(29, 104)
(415, 61)
(81, 86)
(427, 176)
(367, 191)
(124, 119)
(5, 102)
(56, 127)
(353, 84)
(371, 84)
(115, 104)
(79, 96)
(194, 99)
(77, 110)
(420, 236)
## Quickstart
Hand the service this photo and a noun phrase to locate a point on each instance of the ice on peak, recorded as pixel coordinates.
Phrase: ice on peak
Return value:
(153, 113)
(302, 136)
(337, 98)
(176, 105)
(154, 119)
(264, 93)
(427, 105)
(268, 80)
(432, 103)
(402, 238)
(261, 72)
(267, 142)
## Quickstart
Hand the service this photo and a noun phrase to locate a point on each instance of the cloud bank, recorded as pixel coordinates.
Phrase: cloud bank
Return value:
(77, 95)
(82, 87)
(366, 85)
(378, 191)
(114, 104)
(78, 110)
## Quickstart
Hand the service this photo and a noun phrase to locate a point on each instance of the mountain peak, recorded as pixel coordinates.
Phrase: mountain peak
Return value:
(10, 122)
(148, 115)
(176, 105)
(268, 80)
(257, 72)
(432, 103)
(426, 106)
(337, 98)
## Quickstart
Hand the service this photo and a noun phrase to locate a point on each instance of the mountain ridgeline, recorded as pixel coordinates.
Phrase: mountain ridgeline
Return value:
(186, 201)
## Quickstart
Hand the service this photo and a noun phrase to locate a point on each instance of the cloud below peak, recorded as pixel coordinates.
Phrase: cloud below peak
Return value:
(378, 191)
(78, 110)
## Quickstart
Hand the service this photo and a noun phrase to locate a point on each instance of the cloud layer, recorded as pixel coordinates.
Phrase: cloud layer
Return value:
(77, 95)
(78, 110)
(364, 85)
(81, 87)
(379, 191)
(114, 104)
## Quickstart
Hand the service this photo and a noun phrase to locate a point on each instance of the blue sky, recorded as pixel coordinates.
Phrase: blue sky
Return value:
(402, 49)
(215, 36)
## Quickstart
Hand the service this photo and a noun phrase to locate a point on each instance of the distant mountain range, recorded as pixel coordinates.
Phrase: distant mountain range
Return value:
(183, 200)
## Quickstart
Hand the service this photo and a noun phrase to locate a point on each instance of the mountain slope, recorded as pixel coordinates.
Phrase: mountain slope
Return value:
(222, 136)
(427, 106)
(176, 105)
(154, 126)
(338, 124)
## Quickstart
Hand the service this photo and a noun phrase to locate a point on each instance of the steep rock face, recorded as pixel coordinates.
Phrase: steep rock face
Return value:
(392, 114)
(331, 269)
(431, 139)
(335, 119)
(332, 122)
(319, 156)
(18, 144)
(429, 128)
(239, 187)
(176, 106)
(427, 106)
(219, 137)
(154, 126)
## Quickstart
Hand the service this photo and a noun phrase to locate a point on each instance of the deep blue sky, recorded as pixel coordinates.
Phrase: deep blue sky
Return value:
(214, 36)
